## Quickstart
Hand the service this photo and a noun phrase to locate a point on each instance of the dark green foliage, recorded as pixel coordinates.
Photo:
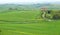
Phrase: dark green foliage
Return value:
(0, 31)
(56, 16)
(49, 11)
(53, 14)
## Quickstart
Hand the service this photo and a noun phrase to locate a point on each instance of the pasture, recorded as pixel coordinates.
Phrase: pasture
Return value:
(27, 23)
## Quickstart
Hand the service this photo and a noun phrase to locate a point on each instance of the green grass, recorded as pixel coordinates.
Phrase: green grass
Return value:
(25, 23)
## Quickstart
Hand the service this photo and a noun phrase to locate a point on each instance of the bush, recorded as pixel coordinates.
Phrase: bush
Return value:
(56, 16)
(52, 14)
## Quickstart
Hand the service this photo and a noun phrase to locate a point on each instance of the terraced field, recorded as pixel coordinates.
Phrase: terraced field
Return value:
(25, 23)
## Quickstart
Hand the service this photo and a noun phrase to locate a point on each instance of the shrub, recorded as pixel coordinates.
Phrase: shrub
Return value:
(56, 16)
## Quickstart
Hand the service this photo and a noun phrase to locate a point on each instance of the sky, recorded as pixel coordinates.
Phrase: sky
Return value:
(27, 1)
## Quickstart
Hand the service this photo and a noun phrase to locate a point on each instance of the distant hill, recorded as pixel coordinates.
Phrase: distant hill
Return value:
(29, 6)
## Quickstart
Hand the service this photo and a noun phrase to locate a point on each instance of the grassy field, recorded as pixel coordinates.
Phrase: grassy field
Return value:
(26, 23)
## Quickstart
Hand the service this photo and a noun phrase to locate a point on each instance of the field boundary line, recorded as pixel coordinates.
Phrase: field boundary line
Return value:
(24, 20)
(20, 32)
